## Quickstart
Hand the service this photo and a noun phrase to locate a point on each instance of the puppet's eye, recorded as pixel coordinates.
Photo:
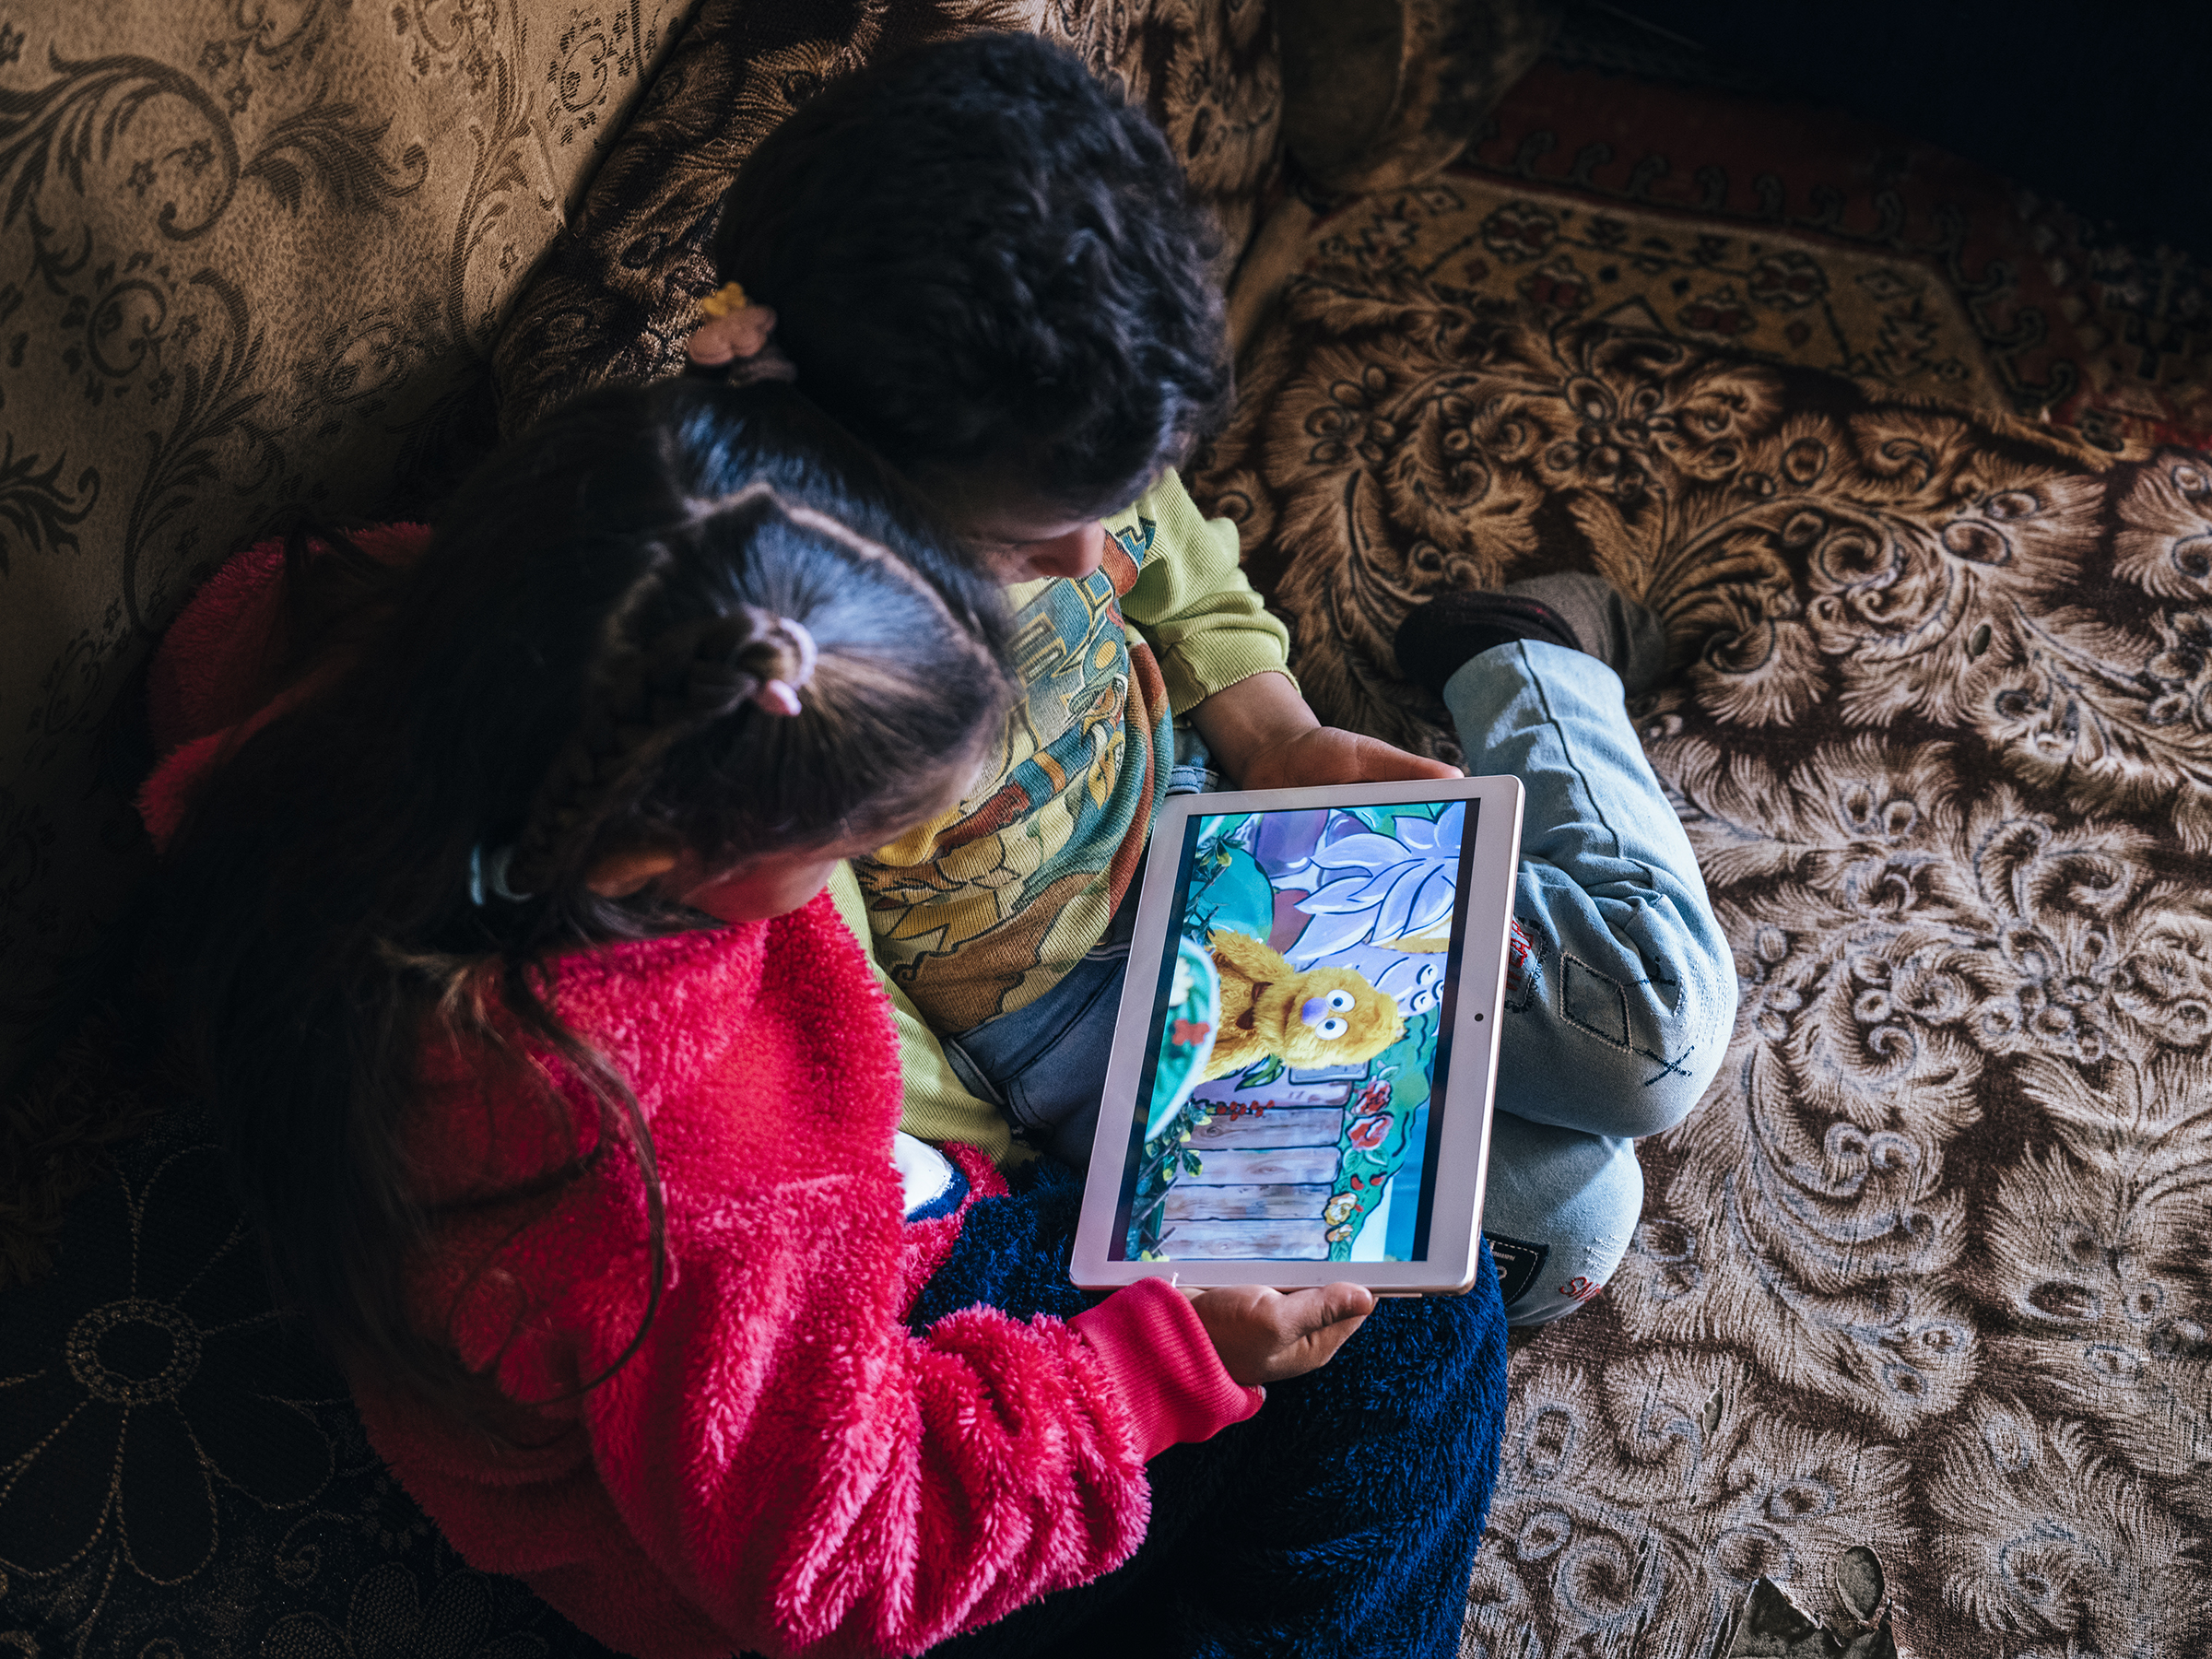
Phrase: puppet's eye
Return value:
(1341, 1001)
(1329, 1029)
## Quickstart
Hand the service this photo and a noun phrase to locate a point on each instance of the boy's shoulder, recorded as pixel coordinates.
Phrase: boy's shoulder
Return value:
(1165, 502)
(1164, 525)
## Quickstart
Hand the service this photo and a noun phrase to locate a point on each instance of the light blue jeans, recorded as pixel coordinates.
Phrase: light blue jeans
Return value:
(1620, 991)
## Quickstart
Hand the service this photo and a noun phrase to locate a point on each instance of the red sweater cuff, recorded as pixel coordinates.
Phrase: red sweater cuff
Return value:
(1161, 1359)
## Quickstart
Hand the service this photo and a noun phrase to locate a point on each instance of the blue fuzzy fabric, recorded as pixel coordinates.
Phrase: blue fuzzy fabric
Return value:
(1013, 1252)
(1338, 1524)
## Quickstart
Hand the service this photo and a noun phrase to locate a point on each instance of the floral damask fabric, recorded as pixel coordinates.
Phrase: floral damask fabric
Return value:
(183, 1477)
(1796, 235)
(1930, 1269)
(254, 255)
(2071, 324)
(1510, 246)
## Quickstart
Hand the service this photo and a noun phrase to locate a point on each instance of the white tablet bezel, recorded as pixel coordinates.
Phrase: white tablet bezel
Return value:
(1463, 1154)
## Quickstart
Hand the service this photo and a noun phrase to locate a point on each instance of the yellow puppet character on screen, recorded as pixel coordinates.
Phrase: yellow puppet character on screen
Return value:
(1310, 1016)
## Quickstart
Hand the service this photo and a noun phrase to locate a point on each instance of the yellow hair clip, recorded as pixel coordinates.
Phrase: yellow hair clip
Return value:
(725, 301)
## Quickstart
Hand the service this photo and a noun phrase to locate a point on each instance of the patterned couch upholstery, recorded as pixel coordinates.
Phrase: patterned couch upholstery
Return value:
(258, 254)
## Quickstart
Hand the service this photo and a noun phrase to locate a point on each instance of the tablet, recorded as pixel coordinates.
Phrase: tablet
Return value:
(1301, 1081)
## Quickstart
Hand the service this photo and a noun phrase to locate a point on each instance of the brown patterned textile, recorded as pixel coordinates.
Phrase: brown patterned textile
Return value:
(1797, 236)
(254, 255)
(1929, 1269)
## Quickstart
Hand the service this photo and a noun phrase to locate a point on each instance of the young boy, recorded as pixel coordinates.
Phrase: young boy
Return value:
(987, 266)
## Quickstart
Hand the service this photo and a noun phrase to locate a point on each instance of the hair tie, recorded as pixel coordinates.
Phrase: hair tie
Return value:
(782, 696)
(489, 870)
(769, 363)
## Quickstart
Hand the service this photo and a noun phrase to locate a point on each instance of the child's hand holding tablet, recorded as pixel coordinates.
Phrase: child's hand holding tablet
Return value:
(1301, 1083)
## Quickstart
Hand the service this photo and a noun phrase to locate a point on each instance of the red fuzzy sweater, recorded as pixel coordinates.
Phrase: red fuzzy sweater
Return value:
(781, 1466)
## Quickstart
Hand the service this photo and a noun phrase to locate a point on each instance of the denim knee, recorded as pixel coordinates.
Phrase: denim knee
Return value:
(1657, 1093)
(1704, 1029)
(1588, 1052)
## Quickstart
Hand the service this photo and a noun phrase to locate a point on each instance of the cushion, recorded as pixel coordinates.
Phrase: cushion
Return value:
(1381, 94)
(185, 1475)
(258, 256)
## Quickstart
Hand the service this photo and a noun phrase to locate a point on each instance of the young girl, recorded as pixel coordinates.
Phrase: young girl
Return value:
(567, 1104)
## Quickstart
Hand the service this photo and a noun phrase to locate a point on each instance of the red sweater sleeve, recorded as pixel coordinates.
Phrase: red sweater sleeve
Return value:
(815, 1479)
(1164, 1365)
(800, 1473)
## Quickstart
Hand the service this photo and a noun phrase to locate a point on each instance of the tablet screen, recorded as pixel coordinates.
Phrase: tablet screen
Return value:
(1290, 1105)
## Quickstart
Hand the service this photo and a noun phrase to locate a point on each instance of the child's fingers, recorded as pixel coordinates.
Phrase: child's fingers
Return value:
(1349, 1301)
(1309, 1313)
(1264, 1335)
(1379, 762)
(742, 334)
(1317, 1323)
(1331, 755)
(1318, 1348)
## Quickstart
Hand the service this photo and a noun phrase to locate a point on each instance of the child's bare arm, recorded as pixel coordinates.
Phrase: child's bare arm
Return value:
(1264, 736)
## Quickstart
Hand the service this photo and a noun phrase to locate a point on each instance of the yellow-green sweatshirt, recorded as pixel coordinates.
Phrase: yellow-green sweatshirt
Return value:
(985, 909)
(982, 910)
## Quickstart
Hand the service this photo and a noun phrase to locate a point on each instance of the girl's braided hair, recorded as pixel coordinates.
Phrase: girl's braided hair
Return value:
(696, 675)
(646, 696)
(569, 671)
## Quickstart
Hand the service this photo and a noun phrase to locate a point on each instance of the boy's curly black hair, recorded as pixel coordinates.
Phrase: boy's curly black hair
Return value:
(988, 264)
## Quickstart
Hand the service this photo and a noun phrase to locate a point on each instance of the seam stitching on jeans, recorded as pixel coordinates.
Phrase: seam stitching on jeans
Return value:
(1668, 1067)
(1569, 962)
(1574, 762)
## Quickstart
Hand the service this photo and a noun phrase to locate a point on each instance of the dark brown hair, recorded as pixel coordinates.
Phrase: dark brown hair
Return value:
(988, 264)
(570, 669)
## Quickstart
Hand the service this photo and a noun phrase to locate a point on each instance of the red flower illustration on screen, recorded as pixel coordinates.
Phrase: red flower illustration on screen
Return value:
(1368, 1132)
(1188, 1033)
(1374, 1098)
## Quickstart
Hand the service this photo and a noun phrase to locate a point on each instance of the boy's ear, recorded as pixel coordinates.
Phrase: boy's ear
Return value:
(619, 875)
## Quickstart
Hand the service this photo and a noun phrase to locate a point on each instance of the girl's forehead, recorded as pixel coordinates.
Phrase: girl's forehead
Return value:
(1013, 524)
(992, 514)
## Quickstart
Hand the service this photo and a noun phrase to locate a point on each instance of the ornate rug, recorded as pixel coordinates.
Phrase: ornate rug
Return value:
(1927, 1271)
(1794, 234)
